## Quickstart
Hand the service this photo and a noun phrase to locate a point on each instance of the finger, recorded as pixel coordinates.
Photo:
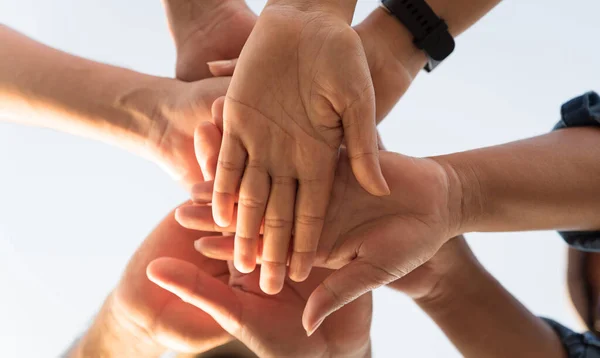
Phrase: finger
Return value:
(199, 217)
(199, 289)
(217, 109)
(202, 192)
(340, 288)
(231, 165)
(252, 201)
(222, 68)
(360, 134)
(279, 218)
(216, 247)
(207, 144)
(311, 206)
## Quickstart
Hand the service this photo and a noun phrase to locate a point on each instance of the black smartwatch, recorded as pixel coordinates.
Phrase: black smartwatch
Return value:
(430, 32)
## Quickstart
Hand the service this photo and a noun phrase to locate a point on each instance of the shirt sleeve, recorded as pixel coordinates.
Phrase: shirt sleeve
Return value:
(577, 345)
(582, 111)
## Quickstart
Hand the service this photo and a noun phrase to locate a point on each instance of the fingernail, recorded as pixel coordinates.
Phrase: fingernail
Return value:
(387, 190)
(221, 63)
(198, 245)
(315, 327)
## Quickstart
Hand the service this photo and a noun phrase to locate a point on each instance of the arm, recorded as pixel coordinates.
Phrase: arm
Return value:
(542, 183)
(151, 116)
(476, 313)
(45, 87)
(394, 60)
(111, 336)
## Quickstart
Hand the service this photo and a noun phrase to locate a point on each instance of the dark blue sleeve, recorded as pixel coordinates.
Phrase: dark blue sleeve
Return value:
(576, 345)
(582, 111)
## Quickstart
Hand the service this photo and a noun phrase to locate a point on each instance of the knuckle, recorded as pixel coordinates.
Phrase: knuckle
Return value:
(230, 166)
(276, 223)
(363, 154)
(250, 202)
(274, 263)
(379, 275)
(312, 220)
(244, 237)
(340, 298)
(257, 165)
(283, 180)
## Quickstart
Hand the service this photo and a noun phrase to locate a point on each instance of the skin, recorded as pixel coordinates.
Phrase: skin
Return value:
(474, 311)
(532, 184)
(206, 31)
(284, 119)
(583, 281)
(393, 63)
(151, 116)
(140, 318)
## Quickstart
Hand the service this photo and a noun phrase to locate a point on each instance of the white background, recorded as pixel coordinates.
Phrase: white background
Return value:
(73, 211)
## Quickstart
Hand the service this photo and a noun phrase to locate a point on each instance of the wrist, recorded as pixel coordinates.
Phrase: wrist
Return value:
(145, 107)
(343, 9)
(460, 284)
(388, 35)
(114, 335)
(465, 194)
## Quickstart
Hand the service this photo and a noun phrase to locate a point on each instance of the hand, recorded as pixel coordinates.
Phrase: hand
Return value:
(372, 241)
(205, 31)
(282, 134)
(175, 110)
(269, 325)
(583, 279)
(161, 316)
(423, 283)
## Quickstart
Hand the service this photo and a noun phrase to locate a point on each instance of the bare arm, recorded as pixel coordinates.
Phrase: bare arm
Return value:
(45, 87)
(477, 314)
(151, 116)
(542, 183)
(482, 319)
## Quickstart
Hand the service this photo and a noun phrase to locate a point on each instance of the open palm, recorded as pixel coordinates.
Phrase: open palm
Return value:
(166, 319)
(269, 325)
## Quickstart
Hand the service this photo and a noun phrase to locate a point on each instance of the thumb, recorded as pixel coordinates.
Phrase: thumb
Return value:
(199, 289)
(340, 288)
(360, 134)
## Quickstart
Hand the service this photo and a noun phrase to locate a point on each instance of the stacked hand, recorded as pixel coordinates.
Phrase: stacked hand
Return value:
(370, 241)
(270, 326)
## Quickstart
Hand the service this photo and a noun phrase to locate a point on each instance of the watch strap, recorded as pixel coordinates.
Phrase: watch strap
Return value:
(430, 32)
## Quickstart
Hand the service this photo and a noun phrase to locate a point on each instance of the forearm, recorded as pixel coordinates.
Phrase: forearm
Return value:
(483, 320)
(542, 183)
(45, 87)
(343, 9)
(110, 336)
(184, 15)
